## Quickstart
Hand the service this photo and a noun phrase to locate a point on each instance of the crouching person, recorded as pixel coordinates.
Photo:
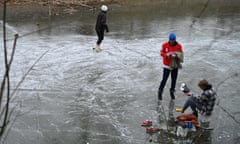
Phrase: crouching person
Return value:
(204, 103)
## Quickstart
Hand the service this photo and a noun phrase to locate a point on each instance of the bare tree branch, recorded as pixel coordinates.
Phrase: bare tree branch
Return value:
(6, 75)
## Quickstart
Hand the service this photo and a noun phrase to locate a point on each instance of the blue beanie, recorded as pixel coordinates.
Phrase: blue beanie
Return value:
(172, 36)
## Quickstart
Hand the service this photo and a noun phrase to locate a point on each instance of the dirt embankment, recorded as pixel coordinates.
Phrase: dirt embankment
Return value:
(57, 7)
(67, 2)
(25, 2)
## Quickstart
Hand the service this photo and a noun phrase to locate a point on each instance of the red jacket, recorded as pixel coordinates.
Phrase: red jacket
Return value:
(167, 49)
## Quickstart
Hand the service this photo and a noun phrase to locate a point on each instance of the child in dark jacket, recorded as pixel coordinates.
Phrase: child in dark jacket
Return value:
(101, 26)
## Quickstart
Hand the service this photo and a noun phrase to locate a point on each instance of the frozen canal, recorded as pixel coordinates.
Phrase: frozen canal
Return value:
(64, 93)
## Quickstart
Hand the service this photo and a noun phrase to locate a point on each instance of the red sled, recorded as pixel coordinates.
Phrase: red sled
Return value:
(152, 130)
(146, 123)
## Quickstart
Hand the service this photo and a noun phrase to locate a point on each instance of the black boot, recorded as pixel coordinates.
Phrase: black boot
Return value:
(159, 94)
(196, 114)
(172, 94)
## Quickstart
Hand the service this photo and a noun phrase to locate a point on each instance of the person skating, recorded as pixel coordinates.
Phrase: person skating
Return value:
(172, 55)
(101, 26)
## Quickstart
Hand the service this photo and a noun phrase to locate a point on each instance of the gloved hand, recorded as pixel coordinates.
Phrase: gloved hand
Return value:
(107, 30)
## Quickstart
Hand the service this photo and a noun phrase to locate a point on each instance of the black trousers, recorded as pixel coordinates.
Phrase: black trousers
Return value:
(166, 73)
(100, 34)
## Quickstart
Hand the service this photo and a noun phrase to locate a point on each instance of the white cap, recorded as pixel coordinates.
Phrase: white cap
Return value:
(104, 8)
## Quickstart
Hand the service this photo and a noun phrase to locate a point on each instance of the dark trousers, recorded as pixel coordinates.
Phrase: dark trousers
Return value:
(166, 73)
(100, 34)
(191, 102)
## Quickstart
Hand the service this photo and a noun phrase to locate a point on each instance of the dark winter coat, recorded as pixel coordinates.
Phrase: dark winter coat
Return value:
(101, 22)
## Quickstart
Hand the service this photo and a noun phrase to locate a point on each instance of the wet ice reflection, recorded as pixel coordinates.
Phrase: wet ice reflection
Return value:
(66, 93)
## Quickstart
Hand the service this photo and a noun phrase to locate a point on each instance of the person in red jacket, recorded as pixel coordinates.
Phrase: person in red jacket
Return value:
(172, 54)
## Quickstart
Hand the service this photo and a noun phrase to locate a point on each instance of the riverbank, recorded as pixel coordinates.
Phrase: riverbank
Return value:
(59, 7)
(70, 2)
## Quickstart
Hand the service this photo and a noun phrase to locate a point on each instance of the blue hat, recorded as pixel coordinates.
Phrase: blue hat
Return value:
(172, 36)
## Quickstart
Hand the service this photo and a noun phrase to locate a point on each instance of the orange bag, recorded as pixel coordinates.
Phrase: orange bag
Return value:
(188, 118)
